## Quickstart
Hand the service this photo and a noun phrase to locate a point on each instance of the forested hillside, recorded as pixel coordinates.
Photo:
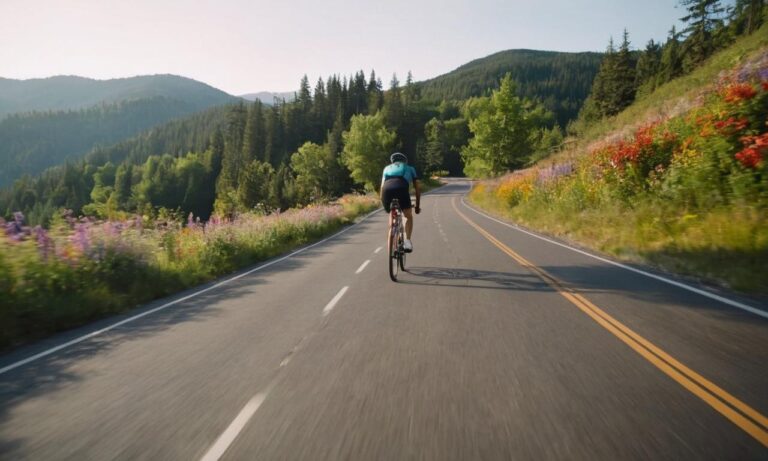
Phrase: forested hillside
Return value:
(70, 92)
(32, 142)
(562, 81)
(242, 156)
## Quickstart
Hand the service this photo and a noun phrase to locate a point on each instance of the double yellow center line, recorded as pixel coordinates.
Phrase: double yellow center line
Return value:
(738, 412)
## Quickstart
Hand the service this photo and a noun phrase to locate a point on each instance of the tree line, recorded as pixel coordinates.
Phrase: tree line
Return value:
(243, 156)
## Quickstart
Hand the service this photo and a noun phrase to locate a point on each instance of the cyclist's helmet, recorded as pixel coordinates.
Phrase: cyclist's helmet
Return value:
(398, 157)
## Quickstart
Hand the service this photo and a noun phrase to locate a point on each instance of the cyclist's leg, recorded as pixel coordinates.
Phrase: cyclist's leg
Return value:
(408, 213)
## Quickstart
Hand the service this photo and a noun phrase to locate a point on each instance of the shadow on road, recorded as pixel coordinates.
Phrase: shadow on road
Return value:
(473, 278)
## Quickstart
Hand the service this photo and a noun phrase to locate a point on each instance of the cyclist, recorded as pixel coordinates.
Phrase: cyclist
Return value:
(395, 182)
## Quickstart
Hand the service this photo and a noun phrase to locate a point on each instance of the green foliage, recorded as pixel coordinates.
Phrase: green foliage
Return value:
(367, 147)
(503, 127)
(312, 165)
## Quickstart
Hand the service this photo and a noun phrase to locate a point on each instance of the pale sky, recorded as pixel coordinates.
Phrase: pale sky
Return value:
(243, 46)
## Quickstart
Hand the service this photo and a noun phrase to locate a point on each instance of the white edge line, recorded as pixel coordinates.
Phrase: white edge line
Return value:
(235, 427)
(362, 266)
(176, 301)
(707, 294)
(332, 303)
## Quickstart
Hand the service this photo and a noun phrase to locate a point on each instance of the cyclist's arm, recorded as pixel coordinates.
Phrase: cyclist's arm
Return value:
(381, 189)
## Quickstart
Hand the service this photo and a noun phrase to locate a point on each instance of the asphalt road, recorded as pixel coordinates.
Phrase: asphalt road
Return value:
(495, 345)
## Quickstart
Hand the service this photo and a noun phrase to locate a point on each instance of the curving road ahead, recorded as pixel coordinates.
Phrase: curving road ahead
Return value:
(497, 344)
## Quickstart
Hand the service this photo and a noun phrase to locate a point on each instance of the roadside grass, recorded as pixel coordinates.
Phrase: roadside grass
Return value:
(83, 270)
(727, 246)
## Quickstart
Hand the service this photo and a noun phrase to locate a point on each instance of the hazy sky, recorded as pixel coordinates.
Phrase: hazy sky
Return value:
(243, 46)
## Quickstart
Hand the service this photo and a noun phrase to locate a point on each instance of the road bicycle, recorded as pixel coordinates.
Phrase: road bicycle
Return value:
(395, 241)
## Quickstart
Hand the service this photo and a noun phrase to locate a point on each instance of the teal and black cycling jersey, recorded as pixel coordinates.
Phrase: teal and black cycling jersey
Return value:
(399, 170)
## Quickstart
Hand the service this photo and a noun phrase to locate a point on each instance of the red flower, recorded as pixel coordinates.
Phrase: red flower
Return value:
(731, 125)
(644, 136)
(755, 148)
(749, 157)
(739, 92)
(762, 140)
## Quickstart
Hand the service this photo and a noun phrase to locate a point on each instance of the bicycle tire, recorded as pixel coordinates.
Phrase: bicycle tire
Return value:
(392, 256)
(401, 258)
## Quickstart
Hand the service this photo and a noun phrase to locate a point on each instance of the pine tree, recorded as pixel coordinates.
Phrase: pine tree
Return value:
(625, 75)
(648, 64)
(671, 64)
(411, 92)
(702, 20)
(358, 94)
(393, 104)
(435, 147)
(253, 144)
(304, 98)
(746, 16)
(375, 94)
(321, 120)
(232, 162)
(614, 85)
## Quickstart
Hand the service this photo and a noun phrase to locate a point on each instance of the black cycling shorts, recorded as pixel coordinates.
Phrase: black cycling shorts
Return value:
(395, 188)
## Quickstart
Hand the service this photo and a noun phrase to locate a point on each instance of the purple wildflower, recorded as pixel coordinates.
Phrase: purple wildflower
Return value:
(546, 175)
(44, 242)
(80, 238)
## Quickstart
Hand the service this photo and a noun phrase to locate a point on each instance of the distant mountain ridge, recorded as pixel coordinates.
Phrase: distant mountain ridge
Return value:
(72, 92)
(50, 121)
(268, 97)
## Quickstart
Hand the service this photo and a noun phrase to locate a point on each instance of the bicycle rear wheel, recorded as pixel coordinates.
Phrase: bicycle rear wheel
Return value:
(392, 256)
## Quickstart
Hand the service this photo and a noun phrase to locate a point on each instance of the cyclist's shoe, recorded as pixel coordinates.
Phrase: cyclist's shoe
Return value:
(407, 246)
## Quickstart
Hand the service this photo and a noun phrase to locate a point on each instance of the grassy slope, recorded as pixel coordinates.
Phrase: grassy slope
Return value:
(728, 246)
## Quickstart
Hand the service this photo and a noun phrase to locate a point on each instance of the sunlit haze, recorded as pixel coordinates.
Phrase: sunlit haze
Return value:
(243, 46)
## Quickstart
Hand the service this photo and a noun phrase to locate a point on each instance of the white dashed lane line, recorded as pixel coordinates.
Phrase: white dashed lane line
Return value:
(362, 266)
(234, 428)
(332, 303)
(377, 249)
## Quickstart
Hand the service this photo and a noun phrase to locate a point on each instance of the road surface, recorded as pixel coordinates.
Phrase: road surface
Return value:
(496, 344)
